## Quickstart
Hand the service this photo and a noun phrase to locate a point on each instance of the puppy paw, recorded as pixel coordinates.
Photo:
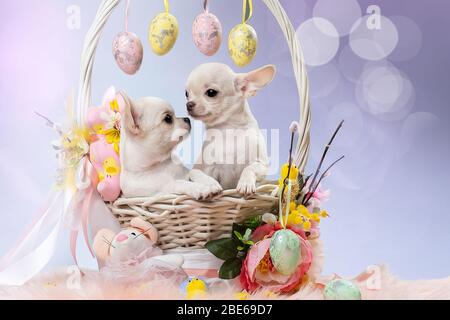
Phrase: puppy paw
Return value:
(214, 187)
(199, 192)
(246, 185)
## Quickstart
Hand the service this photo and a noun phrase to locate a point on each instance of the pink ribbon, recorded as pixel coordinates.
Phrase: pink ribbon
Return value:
(85, 182)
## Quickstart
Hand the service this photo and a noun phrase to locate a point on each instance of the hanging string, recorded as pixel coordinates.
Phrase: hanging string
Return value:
(126, 15)
(206, 6)
(166, 5)
(245, 18)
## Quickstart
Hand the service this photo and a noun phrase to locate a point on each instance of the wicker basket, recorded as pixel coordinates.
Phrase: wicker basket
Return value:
(181, 220)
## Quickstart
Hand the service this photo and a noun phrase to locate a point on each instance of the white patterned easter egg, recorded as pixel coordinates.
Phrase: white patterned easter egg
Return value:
(207, 33)
(163, 33)
(242, 44)
(285, 251)
(128, 52)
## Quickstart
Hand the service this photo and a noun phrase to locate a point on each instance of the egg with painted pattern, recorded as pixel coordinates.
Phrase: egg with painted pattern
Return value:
(242, 44)
(207, 33)
(163, 33)
(341, 289)
(285, 251)
(128, 52)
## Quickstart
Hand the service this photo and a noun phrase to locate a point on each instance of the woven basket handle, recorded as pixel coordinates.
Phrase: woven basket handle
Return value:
(105, 10)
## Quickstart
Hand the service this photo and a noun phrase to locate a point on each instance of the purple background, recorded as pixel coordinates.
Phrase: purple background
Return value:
(389, 197)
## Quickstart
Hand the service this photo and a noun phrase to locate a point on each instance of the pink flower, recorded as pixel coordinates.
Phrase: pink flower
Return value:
(257, 269)
(317, 198)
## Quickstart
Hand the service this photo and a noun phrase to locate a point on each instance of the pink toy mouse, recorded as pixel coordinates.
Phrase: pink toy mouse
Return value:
(104, 122)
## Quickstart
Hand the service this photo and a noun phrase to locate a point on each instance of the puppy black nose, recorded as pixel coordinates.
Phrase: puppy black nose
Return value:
(190, 105)
(187, 120)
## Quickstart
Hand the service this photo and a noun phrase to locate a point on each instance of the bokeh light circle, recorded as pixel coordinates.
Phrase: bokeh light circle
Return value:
(410, 39)
(352, 66)
(302, 9)
(373, 43)
(342, 16)
(320, 41)
(280, 55)
(323, 80)
(416, 128)
(354, 123)
(385, 92)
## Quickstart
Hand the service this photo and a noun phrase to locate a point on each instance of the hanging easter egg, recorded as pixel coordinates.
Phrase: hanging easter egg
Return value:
(128, 52)
(207, 33)
(285, 251)
(163, 33)
(242, 43)
(340, 289)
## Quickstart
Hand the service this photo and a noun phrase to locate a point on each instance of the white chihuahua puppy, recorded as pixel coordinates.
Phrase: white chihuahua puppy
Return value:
(150, 133)
(234, 151)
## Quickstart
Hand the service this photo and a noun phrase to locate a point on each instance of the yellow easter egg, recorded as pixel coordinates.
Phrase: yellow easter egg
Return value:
(163, 33)
(242, 43)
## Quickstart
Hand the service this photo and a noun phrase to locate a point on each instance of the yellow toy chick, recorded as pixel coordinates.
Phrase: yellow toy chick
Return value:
(195, 288)
(293, 178)
(110, 167)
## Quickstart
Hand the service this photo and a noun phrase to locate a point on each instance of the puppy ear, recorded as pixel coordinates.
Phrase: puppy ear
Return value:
(250, 83)
(102, 241)
(129, 114)
(146, 227)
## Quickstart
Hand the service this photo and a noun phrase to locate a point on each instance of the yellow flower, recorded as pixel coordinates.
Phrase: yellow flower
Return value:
(114, 105)
(304, 211)
(316, 217)
(294, 218)
(263, 266)
(270, 294)
(110, 167)
(98, 128)
(292, 206)
(243, 295)
(112, 136)
(324, 214)
(306, 225)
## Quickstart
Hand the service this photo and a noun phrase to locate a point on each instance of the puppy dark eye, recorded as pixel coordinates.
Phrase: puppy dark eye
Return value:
(212, 93)
(186, 94)
(168, 119)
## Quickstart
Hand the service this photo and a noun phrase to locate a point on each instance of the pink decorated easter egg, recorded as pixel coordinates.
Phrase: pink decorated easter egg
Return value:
(207, 33)
(128, 52)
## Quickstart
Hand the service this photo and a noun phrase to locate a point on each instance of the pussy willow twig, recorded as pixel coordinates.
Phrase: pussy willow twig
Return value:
(327, 147)
(310, 194)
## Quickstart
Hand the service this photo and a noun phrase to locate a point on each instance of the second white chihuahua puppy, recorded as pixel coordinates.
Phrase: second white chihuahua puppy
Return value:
(149, 134)
(234, 151)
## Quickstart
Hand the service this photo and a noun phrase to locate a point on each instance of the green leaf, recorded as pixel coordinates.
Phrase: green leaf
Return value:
(240, 248)
(222, 248)
(230, 269)
(248, 234)
(249, 242)
(239, 228)
(253, 222)
(238, 235)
